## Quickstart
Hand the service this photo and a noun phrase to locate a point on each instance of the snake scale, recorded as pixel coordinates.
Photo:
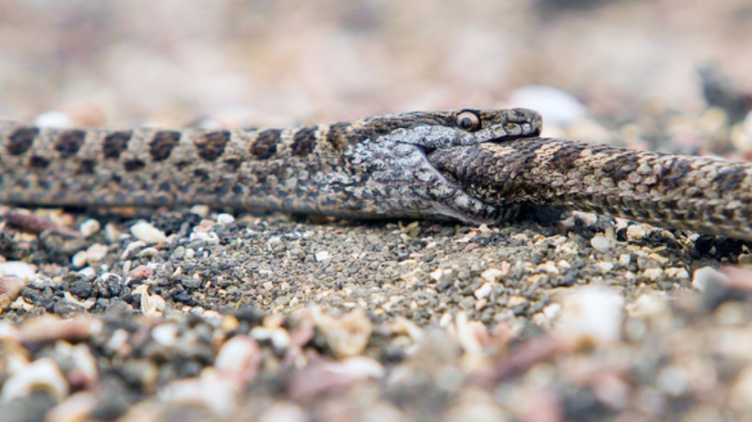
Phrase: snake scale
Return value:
(476, 166)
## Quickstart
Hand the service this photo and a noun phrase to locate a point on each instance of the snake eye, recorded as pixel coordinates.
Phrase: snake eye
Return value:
(467, 120)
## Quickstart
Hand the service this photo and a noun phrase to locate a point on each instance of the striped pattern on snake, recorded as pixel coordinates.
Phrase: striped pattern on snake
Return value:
(700, 194)
(373, 167)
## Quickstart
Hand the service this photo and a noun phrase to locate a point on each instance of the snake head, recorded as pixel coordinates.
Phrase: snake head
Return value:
(442, 129)
(387, 156)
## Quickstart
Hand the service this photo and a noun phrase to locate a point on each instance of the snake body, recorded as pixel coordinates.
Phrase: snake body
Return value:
(477, 166)
(701, 194)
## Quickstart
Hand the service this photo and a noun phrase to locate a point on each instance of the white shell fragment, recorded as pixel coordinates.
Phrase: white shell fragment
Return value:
(151, 305)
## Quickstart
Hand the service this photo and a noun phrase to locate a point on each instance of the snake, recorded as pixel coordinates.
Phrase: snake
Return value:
(478, 166)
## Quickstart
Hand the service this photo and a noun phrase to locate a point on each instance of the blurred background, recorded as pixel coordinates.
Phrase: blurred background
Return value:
(173, 62)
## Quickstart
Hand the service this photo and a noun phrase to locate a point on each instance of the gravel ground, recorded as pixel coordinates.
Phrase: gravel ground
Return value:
(202, 314)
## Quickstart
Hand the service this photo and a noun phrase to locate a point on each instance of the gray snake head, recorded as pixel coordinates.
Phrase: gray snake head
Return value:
(387, 156)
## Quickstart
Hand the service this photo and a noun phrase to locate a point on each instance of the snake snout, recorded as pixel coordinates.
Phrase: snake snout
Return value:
(529, 121)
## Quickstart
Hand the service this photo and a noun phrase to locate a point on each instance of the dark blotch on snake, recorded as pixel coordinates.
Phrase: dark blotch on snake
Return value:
(39, 162)
(211, 145)
(304, 140)
(265, 145)
(87, 167)
(115, 143)
(69, 142)
(134, 165)
(21, 140)
(162, 144)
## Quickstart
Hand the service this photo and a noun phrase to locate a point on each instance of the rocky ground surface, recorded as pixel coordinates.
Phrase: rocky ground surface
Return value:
(199, 314)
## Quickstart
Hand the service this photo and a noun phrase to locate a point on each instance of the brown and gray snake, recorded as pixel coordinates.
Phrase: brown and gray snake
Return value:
(476, 166)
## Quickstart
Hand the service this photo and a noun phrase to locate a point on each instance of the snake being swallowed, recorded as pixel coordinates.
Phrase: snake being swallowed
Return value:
(476, 166)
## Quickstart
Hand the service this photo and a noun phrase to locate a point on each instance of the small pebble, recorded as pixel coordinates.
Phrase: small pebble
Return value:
(142, 272)
(600, 243)
(18, 269)
(206, 237)
(484, 290)
(11, 287)
(591, 314)
(87, 272)
(604, 267)
(225, 218)
(439, 274)
(361, 367)
(165, 334)
(148, 252)
(93, 254)
(676, 272)
(200, 210)
(625, 259)
(152, 305)
(279, 337)
(322, 256)
(89, 227)
(283, 411)
(636, 231)
(43, 373)
(80, 259)
(97, 252)
(648, 305)
(75, 408)
(112, 232)
(240, 356)
(347, 335)
(653, 274)
(53, 120)
(146, 232)
(492, 274)
(672, 381)
(705, 275)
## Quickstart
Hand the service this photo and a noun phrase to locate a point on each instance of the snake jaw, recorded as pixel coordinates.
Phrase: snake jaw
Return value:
(446, 196)
(390, 161)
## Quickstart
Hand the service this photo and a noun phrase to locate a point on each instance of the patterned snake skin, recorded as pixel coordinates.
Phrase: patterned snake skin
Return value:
(701, 194)
(476, 166)
(374, 167)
